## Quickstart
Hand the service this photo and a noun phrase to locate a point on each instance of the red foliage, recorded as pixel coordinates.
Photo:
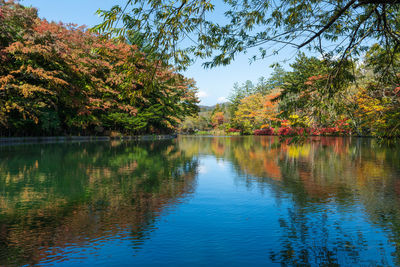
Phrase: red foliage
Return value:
(218, 118)
(265, 131)
(284, 131)
(312, 79)
(81, 80)
(397, 91)
(339, 129)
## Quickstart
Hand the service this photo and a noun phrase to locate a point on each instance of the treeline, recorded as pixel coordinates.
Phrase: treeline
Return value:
(58, 79)
(316, 96)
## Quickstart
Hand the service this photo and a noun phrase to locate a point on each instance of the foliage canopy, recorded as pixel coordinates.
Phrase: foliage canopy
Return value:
(61, 79)
(342, 28)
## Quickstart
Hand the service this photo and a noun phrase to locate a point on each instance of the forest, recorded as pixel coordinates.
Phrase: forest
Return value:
(344, 78)
(364, 100)
(278, 173)
(58, 79)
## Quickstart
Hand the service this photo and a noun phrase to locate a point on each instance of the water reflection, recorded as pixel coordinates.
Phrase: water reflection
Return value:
(321, 169)
(59, 195)
(197, 200)
(327, 180)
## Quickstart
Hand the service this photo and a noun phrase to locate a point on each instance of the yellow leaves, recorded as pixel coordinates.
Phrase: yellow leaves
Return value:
(297, 151)
(297, 121)
(368, 105)
(256, 110)
(249, 107)
(44, 75)
(28, 90)
(218, 118)
(10, 106)
(375, 114)
(377, 108)
(17, 46)
(6, 80)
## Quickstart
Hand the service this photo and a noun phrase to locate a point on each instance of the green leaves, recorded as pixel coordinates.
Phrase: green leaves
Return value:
(183, 30)
(60, 79)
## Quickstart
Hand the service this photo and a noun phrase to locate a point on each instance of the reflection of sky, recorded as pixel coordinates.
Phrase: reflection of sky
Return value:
(227, 222)
(203, 169)
(211, 165)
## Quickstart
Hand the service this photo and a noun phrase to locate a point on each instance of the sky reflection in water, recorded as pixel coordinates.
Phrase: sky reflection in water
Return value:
(200, 200)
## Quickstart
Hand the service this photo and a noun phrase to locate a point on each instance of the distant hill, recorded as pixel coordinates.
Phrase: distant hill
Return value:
(209, 108)
(206, 108)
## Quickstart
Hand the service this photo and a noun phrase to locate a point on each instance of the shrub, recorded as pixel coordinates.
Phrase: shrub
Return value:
(264, 131)
(233, 130)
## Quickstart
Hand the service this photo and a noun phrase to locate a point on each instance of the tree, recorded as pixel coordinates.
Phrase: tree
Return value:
(218, 118)
(242, 91)
(377, 103)
(349, 25)
(307, 91)
(256, 111)
(275, 80)
(61, 79)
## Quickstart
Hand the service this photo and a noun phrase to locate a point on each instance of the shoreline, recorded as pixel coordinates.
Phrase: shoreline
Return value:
(50, 139)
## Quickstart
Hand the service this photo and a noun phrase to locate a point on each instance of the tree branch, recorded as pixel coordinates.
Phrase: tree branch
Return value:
(329, 24)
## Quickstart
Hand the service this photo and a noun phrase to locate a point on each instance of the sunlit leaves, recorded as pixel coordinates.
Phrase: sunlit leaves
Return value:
(84, 81)
(256, 110)
(340, 28)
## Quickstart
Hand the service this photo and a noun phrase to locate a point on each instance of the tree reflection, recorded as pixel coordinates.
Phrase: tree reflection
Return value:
(309, 239)
(58, 194)
(54, 195)
(345, 172)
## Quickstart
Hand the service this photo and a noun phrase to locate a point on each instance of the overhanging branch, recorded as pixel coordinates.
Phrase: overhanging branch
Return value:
(329, 24)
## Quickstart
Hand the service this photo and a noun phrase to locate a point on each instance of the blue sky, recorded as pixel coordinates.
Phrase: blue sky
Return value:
(214, 84)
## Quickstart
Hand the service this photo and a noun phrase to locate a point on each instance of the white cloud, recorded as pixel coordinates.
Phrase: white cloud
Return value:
(222, 99)
(221, 164)
(202, 94)
(203, 169)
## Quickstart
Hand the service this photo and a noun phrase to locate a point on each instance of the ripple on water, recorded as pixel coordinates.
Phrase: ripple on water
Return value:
(198, 201)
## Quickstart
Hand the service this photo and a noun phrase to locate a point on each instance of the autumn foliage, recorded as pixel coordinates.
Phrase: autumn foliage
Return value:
(61, 79)
(255, 111)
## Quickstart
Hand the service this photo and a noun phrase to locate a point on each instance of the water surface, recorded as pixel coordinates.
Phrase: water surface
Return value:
(200, 200)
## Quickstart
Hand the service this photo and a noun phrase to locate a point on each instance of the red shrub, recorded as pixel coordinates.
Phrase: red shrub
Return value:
(264, 131)
(288, 131)
(284, 131)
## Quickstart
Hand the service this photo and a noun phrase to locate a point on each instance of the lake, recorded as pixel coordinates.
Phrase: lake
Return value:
(200, 201)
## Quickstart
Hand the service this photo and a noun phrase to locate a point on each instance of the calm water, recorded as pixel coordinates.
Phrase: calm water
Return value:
(200, 201)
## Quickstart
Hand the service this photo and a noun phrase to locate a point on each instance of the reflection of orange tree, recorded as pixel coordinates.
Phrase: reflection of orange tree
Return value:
(330, 167)
(254, 156)
(218, 146)
(260, 159)
(100, 191)
(324, 167)
(342, 170)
